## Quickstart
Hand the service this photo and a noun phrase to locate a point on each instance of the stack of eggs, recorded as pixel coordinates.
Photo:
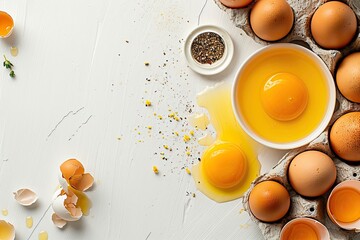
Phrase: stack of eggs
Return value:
(314, 191)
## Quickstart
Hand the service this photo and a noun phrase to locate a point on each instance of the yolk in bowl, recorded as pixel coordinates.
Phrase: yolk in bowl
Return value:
(6, 24)
(284, 96)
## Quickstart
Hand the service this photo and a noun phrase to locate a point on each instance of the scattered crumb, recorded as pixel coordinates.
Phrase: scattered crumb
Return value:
(241, 210)
(188, 153)
(176, 133)
(155, 170)
(147, 103)
(188, 171)
(192, 133)
(160, 117)
(166, 147)
(186, 138)
(194, 195)
(149, 127)
(119, 138)
(146, 63)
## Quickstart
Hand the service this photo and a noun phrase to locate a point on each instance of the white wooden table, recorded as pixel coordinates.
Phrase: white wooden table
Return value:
(79, 93)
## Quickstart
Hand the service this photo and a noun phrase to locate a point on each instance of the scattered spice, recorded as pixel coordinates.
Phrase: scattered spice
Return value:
(8, 65)
(207, 48)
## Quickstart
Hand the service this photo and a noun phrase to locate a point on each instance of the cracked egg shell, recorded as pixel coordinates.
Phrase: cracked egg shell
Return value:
(343, 205)
(74, 173)
(7, 231)
(58, 221)
(304, 228)
(71, 205)
(25, 197)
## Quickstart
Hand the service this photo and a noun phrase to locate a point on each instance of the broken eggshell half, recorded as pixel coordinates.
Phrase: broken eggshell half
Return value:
(74, 173)
(25, 196)
(352, 185)
(58, 221)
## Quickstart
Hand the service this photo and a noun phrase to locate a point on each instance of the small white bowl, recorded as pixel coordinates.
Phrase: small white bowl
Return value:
(330, 89)
(321, 231)
(352, 184)
(216, 67)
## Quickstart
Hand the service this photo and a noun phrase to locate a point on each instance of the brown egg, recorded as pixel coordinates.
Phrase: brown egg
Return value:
(269, 201)
(312, 173)
(345, 137)
(271, 20)
(348, 77)
(236, 3)
(333, 25)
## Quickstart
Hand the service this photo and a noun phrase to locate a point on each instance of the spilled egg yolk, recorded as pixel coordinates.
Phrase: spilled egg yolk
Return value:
(345, 205)
(229, 164)
(224, 164)
(284, 97)
(6, 24)
(301, 231)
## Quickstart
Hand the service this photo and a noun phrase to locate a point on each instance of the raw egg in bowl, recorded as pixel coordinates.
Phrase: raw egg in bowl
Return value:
(283, 96)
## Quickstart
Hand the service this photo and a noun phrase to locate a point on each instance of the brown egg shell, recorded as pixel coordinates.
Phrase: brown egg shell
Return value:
(303, 11)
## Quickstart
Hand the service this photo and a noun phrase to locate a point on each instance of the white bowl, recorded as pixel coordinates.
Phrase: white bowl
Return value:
(330, 89)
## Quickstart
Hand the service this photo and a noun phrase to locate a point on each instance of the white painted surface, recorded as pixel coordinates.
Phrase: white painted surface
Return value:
(80, 86)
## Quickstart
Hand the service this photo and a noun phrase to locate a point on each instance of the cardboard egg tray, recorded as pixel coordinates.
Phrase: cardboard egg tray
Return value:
(303, 11)
(301, 206)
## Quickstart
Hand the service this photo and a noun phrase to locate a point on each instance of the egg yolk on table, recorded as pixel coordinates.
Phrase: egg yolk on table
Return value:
(345, 205)
(230, 164)
(6, 24)
(301, 231)
(282, 95)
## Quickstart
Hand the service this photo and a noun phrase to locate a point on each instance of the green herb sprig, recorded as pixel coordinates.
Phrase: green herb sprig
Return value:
(8, 65)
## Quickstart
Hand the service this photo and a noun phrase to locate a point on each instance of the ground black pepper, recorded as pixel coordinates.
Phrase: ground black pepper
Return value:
(207, 48)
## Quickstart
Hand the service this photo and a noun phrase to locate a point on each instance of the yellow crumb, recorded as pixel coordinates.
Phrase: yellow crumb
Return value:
(192, 133)
(155, 169)
(147, 103)
(171, 115)
(166, 146)
(188, 153)
(160, 117)
(162, 153)
(186, 138)
(176, 133)
(154, 113)
(146, 63)
(149, 127)
(188, 171)
(176, 118)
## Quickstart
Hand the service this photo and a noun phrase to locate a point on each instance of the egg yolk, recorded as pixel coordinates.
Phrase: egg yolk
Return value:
(6, 24)
(301, 231)
(345, 205)
(284, 97)
(224, 164)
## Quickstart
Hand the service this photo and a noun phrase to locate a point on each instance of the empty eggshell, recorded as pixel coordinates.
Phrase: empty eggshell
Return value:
(73, 172)
(7, 231)
(65, 207)
(58, 221)
(346, 206)
(299, 228)
(25, 197)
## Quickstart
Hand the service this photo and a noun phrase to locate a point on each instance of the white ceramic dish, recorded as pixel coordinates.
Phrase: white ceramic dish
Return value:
(329, 109)
(216, 67)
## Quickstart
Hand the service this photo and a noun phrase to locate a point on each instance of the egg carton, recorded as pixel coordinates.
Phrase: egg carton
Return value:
(302, 206)
(303, 11)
